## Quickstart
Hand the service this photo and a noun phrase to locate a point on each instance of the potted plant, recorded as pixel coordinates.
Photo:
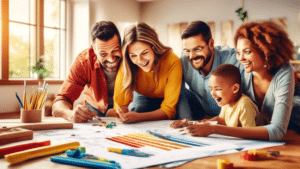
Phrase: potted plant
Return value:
(40, 69)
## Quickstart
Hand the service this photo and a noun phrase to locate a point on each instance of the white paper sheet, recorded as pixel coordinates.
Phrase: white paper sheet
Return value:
(93, 138)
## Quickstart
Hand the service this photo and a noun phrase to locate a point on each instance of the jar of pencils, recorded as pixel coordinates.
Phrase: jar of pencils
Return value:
(31, 116)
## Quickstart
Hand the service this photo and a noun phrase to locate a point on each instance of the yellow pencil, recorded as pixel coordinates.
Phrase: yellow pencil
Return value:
(25, 100)
(39, 93)
(43, 99)
(40, 151)
(31, 96)
(24, 96)
(39, 102)
(43, 96)
(31, 106)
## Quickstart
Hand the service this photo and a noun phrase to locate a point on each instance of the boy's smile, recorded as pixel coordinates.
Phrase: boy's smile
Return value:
(222, 91)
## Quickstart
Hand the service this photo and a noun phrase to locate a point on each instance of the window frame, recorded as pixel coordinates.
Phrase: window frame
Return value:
(4, 77)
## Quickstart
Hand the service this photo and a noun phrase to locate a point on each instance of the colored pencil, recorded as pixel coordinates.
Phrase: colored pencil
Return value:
(24, 96)
(40, 151)
(22, 147)
(19, 100)
(131, 152)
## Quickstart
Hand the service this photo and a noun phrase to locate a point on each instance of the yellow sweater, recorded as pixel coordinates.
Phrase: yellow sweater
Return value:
(169, 84)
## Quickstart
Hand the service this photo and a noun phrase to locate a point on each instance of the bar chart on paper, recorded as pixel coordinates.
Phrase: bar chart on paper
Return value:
(138, 140)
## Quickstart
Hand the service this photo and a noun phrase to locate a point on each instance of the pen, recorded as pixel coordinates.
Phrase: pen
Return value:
(84, 163)
(39, 151)
(131, 152)
(19, 100)
(22, 147)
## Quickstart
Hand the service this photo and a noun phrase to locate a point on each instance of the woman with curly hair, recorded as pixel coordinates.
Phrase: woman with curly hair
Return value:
(265, 51)
(149, 80)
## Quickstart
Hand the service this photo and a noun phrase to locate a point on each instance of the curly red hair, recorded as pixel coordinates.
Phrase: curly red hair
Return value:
(269, 40)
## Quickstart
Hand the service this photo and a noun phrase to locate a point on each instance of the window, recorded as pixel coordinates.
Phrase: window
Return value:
(32, 29)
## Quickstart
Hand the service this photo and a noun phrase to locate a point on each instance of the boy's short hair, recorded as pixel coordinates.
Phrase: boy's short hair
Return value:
(228, 71)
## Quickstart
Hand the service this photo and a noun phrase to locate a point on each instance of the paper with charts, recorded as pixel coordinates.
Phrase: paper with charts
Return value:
(137, 136)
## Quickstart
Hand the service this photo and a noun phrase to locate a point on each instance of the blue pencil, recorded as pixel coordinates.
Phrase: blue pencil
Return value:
(19, 100)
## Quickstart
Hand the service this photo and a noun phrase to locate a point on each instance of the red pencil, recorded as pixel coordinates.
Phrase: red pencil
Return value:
(22, 147)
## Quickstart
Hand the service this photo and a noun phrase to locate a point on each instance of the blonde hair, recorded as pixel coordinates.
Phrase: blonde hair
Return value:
(140, 32)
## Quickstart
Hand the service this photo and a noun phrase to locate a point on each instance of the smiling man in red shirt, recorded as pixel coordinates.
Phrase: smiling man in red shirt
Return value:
(92, 74)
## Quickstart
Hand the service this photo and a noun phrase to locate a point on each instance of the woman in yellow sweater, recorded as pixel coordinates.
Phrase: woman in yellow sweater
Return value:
(148, 83)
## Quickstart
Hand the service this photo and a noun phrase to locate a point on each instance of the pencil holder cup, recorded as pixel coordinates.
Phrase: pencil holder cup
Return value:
(31, 116)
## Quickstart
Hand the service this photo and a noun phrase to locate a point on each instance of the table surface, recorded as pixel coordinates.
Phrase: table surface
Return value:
(289, 158)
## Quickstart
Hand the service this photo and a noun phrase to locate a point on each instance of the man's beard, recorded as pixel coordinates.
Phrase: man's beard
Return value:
(204, 62)
(105, 65)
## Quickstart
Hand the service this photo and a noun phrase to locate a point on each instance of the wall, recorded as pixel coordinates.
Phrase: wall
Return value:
(82, 15)
(158, 14)
(175, 11)
(9, 102)
(121, 12)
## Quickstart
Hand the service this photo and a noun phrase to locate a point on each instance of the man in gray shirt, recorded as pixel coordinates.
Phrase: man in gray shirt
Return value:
(199, 58)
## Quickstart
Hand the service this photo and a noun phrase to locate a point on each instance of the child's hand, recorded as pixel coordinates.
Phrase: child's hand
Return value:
(179, 123)
(200, 129)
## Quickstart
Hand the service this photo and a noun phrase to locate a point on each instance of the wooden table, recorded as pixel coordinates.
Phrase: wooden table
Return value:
(289, 158)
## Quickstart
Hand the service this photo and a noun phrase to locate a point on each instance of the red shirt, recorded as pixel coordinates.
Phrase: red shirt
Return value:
(86, 76)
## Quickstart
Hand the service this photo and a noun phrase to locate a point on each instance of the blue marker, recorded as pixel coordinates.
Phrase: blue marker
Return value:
(19, 100)
(84, 163)
(131, 152)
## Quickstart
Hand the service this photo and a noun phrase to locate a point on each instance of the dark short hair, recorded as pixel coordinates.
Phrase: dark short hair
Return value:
(104, 30)
(228, 71)
(196, 28)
